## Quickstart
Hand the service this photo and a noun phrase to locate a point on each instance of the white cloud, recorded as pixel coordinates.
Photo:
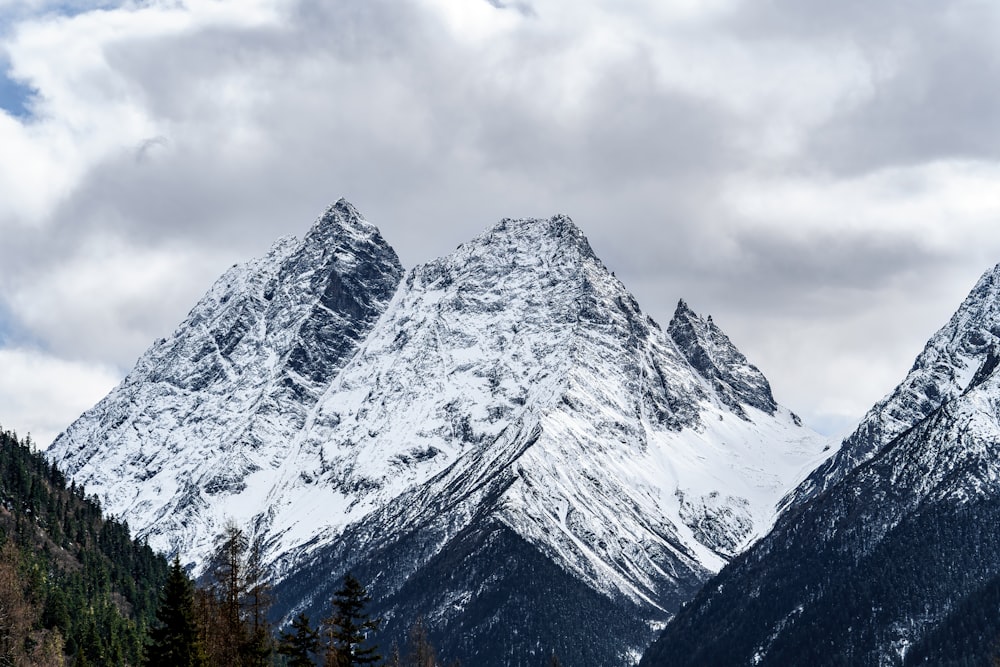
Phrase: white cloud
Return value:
(756, 160)
(41, 395)
(943, 205)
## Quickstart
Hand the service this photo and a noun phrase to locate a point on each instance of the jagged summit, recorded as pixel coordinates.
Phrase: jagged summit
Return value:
(542, 246)
(714, 356)
(342, 218)
(559, 230)
(189, 436)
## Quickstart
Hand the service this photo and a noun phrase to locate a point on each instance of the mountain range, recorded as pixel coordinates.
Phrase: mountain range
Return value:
(499, 440)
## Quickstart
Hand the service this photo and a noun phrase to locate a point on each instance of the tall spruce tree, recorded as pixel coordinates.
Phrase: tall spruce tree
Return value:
(257, 601)
(300, 644)
(348, 628)
(174, 641)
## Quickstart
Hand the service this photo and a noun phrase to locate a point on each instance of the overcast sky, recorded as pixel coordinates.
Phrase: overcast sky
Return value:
(821, 177)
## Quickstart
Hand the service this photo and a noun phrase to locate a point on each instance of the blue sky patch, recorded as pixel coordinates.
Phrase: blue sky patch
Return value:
(12, 334)
(15, 97)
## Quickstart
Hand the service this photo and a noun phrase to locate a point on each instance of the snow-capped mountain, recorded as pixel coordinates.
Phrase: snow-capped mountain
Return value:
(511, 407)
(884, 563)
(199, 428)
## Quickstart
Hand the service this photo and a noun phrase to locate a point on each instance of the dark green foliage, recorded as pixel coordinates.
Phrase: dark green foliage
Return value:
(349, 626)
(92, 583)
(300, 644)
(174, 640)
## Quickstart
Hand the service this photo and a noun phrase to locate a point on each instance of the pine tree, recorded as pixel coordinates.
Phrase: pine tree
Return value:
(300, 644)
(221, 608)
(348, 628)
(174, 641)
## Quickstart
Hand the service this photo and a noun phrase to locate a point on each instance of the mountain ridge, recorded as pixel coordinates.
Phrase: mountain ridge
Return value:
(944, 369)
(242, 368)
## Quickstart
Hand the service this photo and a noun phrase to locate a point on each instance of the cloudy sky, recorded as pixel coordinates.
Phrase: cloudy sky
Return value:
(823, 178)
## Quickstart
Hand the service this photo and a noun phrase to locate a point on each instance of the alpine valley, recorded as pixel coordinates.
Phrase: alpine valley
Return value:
(499, 441)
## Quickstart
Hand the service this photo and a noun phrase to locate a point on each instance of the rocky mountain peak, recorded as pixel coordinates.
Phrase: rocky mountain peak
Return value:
(341, 233)
(342, 215)
(537, 234)
(543, 267)
(738, 382)
(889, 556)
(218, 400)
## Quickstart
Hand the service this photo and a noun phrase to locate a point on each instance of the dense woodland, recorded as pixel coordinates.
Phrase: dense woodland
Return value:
(75, 589)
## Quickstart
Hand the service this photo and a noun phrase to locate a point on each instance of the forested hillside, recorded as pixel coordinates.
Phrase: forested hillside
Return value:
(74, 587)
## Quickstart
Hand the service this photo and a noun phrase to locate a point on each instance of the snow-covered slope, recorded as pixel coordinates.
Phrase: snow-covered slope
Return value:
(525, 326)
(513, 384)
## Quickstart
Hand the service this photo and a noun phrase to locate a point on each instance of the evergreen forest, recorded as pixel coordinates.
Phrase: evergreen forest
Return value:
(75, 588)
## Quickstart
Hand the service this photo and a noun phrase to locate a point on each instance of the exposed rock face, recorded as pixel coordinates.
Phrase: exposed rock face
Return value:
(716, 359)
(510, 413)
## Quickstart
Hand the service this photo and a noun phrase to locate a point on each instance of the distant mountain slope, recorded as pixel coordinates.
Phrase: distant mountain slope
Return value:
(942, 371)
(509, 410)
(890, 553)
